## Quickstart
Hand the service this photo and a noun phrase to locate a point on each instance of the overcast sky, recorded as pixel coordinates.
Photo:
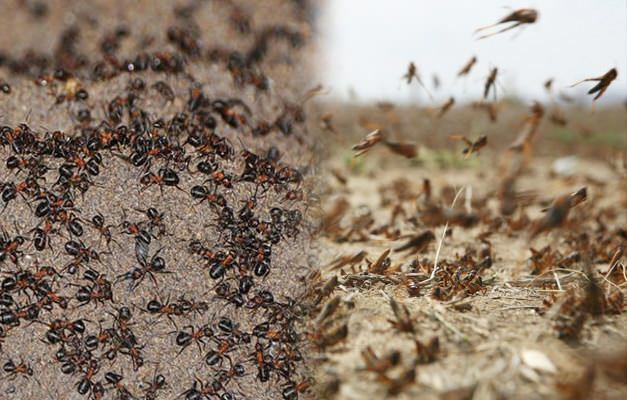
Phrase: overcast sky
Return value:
(369, 43)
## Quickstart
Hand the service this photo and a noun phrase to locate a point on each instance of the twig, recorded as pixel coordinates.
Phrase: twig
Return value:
(515, 307)
(437, 253)
(557, 280)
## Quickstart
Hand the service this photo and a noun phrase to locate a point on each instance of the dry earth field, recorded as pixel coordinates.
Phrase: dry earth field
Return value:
(498, 337)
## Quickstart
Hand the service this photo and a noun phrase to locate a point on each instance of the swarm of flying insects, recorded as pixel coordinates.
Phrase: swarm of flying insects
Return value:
(500, 229)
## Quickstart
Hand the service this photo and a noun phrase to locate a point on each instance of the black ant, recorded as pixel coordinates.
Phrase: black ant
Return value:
(98, 222)
(137, 275)
(166, 177)
(184, 338)
(17, 369)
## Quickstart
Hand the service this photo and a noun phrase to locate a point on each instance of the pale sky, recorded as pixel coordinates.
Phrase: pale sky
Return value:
(369, 43)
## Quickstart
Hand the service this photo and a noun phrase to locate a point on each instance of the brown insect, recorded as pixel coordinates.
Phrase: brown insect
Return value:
(326, 123)
(381, 264)
(328, 309)
(467, 67)
(490, 83)
(473, 147)
(339, 176)
(557, 117)
(518, 17)
(348, 260)
(331, 337)
(418, 243)
(368, 142)
(446, 106)
(436, 82)
(404, 149)
(404, 321)
(427, 353)
(331, 220)
(327, 288)
(529, 130)
(548, 85)
(489, 108)
(411, 74)
(558, 212)
(604, 82)
(397, 385)
(379, 364)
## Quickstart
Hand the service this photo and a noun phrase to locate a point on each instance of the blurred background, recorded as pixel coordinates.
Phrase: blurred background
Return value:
(367, 46)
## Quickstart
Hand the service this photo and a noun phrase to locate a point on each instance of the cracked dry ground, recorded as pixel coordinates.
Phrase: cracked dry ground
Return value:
(515, 325)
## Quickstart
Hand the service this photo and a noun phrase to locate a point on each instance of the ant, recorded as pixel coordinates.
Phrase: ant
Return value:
(291, 390)
(98, 222)
(158, 382)
(184, 338)
(168, 309)
(188, 306)
(80, 251)
(136, 357)
(155, 220)
(17, 369)
(10, 246)
(164, 90)
(156, 265)
(217, 356)
(98, 293)
(263, 368)
(85, 384)
(201, 390)
(41, 236)
(224, 376)
(121, 391)
(71, 222)
(166, 177)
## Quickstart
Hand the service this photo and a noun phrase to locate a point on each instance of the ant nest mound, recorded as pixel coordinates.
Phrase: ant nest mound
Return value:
(154, 194)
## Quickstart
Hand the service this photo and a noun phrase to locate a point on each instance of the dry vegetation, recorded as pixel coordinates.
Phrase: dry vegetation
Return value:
(427, 290)
(472, 250)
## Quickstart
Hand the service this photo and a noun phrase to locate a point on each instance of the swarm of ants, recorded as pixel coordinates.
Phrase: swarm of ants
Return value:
(66, 278)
